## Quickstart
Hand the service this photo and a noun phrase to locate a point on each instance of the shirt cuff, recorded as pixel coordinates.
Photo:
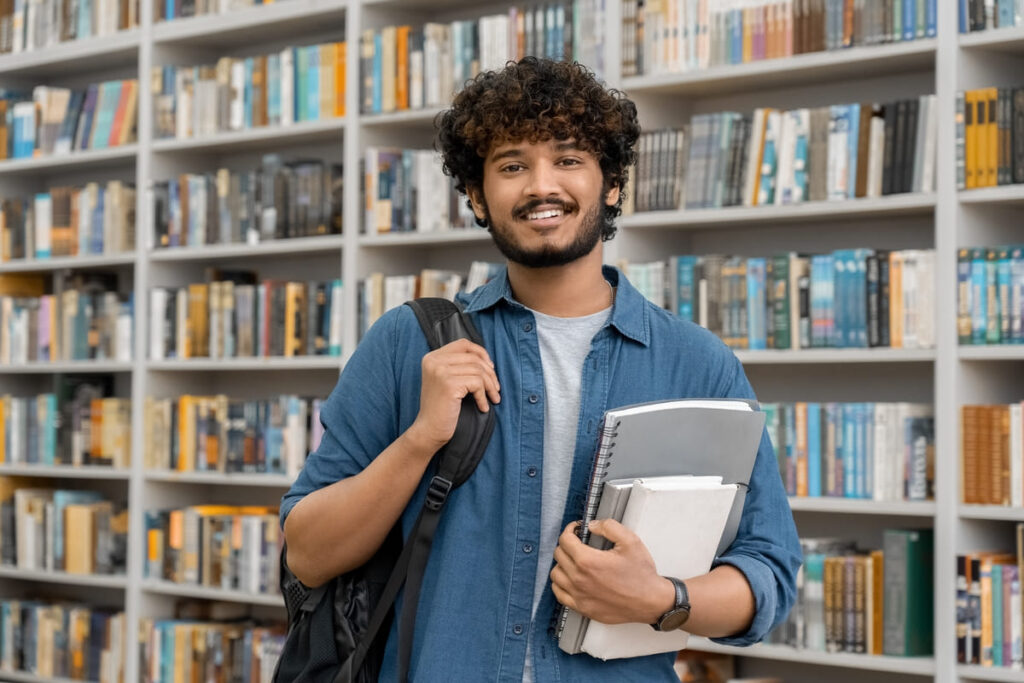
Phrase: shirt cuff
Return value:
(762, 584)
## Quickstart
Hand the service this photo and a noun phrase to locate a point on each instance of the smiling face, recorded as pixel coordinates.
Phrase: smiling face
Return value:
(543, 201)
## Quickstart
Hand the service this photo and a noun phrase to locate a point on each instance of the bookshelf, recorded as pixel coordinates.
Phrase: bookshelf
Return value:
(946, 376)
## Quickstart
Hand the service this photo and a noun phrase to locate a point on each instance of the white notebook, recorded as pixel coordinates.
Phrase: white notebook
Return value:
(680, 520)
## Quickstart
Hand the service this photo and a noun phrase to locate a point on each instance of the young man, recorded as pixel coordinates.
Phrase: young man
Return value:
(542, 150)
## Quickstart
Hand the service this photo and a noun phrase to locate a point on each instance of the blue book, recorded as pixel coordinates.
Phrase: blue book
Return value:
(979, 297)
(96, 224)
(757, 331)
(106, 104)
(859, 273)
(997, 614)
(1016, 295)
(791, 464)
(849, 426)
(839, 297)
(32, 444)
(273, 86)
(1005, 13)
(85, 11)
(1004, 288)
(247, 94)
(861, 448)
(736, 18)
(814, 457)
(931, 18)
(169, 9)
(49, 427)
(313, 87)
(909, 18)
(686, 267)
(378, 78)
(852, 139)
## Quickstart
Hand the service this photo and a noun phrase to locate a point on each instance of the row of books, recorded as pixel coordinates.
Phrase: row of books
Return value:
(276, 200)
(989, 137)
(182, 9)
(87, 320)
(37, 430)
(982, 15)
(53, 121)
(990, 295)
(235, 650)
(379, 293)
(407, 191)
(989, 617)
(47, 529)
(789, 157)
(875, 602)
(64, 221)
(406, 67)
(27, 25)
(875, 451)
(221, 434)
(684, 35)
(229, 547)
(992, 454)
(62, 640)
(240, 318)
(850, 298)
(305, 83)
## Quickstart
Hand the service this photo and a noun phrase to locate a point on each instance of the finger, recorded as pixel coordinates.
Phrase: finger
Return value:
(563, 560)
(613, 531)
(466, 385)
(467, 364)
(466, 346)
(563, 597)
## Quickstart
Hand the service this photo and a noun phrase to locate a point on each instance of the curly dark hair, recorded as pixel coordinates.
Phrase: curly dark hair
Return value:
(536, 100)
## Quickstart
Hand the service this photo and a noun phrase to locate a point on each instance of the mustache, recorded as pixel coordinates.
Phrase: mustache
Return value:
(529, 207)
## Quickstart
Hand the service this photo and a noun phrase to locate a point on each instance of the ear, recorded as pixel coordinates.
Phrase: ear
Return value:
(476, 198)
(612, 196)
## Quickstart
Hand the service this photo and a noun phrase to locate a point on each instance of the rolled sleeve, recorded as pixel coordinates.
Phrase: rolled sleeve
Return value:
(767, 548)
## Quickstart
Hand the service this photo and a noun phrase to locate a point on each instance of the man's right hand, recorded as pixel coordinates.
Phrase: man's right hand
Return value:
(450, 374)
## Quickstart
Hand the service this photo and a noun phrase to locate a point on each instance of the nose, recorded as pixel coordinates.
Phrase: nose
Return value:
(543, 181)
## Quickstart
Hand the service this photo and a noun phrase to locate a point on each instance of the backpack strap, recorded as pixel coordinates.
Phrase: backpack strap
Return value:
(442, 322)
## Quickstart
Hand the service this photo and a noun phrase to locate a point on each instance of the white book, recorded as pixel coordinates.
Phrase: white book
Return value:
(43, 215)
(786, 149)
(157, 312)
(876, 156)
(416, 79)
(681, 550)
(287, 87)
(929, 142)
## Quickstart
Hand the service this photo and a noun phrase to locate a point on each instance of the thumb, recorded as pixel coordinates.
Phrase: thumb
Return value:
(612, 530)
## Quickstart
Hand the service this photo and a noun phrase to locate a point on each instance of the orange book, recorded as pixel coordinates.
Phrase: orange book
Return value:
(119, 111)
(981, 139)
(989, 562)
(340, 64)
(186, 433)
(971, 138)
(877, 598)
(896, 300)
(96, 430)
(259, 89)
(991, 95)
(176, 543)
(131, 114)
(801, 450)
(402, 68)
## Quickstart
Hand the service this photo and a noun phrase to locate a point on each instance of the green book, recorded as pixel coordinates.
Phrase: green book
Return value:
(907, 609)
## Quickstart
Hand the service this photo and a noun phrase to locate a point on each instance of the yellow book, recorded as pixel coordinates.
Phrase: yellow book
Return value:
(971, 138)
(80, 539)
(388, 68)
(748, 34)
(326, 74)
(801, 450)
(340, 64)
(991, 138)
(981, 139)
(896, 300)
(186, 433)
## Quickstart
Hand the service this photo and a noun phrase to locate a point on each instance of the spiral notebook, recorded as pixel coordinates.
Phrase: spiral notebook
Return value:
(703, 437)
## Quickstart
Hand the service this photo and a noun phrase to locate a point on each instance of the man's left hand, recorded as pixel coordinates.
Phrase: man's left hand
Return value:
(615, 586)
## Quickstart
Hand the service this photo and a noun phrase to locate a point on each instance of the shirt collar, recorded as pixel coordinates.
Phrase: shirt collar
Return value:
(629, 312)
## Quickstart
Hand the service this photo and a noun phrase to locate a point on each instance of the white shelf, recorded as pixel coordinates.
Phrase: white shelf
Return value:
(64, 471)
(79, 366)
(915, 666)
(239, 364)
(62, 262)
(419, 239)
(252, 25)
(857, 62)
(90, 580)
(206, 593)
(25, 677)
(111, 156)
(1000, 39)
(812, 356)
(992, 513)
(851, 209)
(220, 478)
(989, 673)
(863, 507)
(993, 352)
(414, 117)
(1002, 194)
(75, 55)
(296, 245)
(324, 130)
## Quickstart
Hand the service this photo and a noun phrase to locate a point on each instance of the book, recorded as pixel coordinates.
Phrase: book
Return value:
(677, 551)
(722, 437)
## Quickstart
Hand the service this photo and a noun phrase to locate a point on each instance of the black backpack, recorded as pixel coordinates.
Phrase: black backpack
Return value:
(337, 632)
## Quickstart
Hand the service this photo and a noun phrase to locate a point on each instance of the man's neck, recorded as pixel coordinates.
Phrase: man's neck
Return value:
(570, 291)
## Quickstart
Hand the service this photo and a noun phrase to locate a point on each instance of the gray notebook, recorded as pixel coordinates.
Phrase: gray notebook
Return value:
(687, 436)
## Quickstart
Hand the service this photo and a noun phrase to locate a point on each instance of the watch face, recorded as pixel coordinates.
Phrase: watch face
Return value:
(674, 619)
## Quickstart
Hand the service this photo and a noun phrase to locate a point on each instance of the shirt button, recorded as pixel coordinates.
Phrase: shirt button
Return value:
(517, 629)
(527, 327)
(531, 471)
(533, 398)
(527, 548)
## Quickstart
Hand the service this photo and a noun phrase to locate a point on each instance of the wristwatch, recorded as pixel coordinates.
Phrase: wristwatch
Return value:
(680, 612)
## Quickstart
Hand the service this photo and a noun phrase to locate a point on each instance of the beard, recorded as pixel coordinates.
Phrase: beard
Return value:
(547, 256)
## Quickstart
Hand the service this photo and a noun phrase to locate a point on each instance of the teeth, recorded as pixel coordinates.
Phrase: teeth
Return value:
(551, 213)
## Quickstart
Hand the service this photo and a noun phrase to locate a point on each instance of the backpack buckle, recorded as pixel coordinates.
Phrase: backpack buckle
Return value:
(437, 493)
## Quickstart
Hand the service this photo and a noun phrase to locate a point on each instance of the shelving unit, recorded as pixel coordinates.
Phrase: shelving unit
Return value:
(947, 375)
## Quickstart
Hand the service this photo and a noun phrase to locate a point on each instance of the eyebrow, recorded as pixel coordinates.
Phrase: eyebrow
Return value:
(516, 151)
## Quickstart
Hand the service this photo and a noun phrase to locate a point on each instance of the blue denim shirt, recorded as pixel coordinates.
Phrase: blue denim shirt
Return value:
(474, 617)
